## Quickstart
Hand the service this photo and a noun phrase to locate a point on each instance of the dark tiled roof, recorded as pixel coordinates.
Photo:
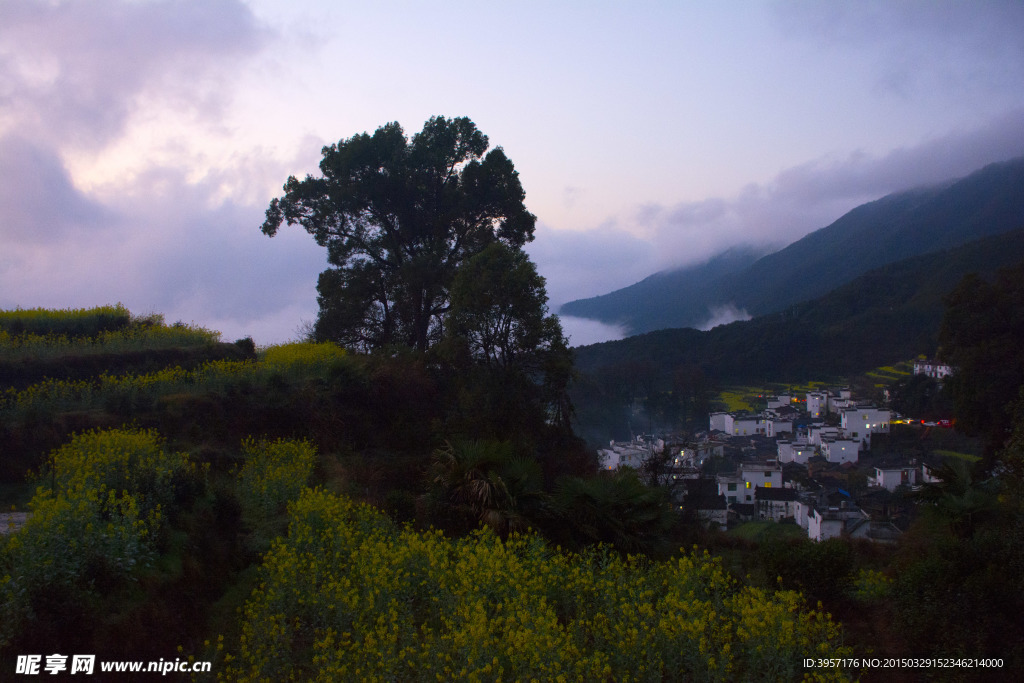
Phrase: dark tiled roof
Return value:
(762, 493)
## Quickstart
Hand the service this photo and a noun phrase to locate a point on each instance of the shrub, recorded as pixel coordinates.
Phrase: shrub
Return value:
(72, 322)
(274, 473)
(93, 530)
(347, 595)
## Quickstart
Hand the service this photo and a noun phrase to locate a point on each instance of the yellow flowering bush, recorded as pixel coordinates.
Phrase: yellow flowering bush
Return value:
(77, 322)
(130, 392)
(274, 473)
(133, 461)
(349, 596)
(131, 338)
(97, 525)
(305, 355)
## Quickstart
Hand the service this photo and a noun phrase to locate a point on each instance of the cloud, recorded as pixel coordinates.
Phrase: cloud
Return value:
(73, 72)
(582, 332)
(914, 46)
(812, 195)
(170, 246)
(40, 202)
(580, 263)
(723, 315)
(73, 78)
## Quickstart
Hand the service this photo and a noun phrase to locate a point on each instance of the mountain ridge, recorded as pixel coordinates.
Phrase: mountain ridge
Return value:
(900, 225)
(888, 314)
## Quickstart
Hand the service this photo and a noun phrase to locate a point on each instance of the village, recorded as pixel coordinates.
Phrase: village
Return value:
(803, 459)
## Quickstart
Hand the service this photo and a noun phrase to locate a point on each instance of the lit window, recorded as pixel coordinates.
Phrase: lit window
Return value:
(748, 484)
(767, 484)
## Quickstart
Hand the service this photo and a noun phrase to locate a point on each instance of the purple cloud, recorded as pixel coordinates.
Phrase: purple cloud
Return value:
(39, 200)
(71, 72)
(814, 194)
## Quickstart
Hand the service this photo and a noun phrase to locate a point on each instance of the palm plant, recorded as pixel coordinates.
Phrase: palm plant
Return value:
(485, 482)
(615, 508)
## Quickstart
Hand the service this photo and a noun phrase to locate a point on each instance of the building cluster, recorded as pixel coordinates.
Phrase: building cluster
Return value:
(932, 368)
(792, 462)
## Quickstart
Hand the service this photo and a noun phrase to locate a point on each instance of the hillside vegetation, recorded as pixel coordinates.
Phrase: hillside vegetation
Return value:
(884, 316)
(166, 499)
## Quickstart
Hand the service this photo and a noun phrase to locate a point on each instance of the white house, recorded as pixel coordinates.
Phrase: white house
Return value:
(623, 455)
(843, 398)
(741, 489)
(928, 475)
(817, 404)
(774, 427)
(818, 433)
(767, 474)
(775, 503)
(779, 401)
(743, 425)
(694, 455)
(734, 489)
(794, 452)
(840, 449)
(801, 512)
(718, 421)
(890, 478)
(832, 522)
(862, 421)
(932, 368)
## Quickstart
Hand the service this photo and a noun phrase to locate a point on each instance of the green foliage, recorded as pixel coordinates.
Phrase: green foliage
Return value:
(980, 336)
(485, 482)
(349, 596)
(274, 473)
(960, 498)
(615, 508)
(303, 358)
(398, 217)
(821, 571)
(920, 397)
(499, 309)
(871, 586)
(72, 322)
(131, 338)
(94, 530)
(963, 597)
(884, 315)
(130, 393)
(117, 460)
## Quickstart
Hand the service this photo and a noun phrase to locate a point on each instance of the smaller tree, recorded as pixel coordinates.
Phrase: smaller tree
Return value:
(516, 352)
(499, 307)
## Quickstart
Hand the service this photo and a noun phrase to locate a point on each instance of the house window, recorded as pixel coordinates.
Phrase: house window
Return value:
(731, 487)
(767, 484)
(748, 484)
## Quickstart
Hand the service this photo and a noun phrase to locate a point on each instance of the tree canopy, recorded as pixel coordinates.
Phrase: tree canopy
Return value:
(980, 336)
(398, 217)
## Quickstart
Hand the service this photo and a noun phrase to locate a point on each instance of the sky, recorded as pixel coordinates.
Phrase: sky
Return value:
(141, 141)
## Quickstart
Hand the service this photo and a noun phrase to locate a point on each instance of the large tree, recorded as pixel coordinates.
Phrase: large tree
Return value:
(398, 218)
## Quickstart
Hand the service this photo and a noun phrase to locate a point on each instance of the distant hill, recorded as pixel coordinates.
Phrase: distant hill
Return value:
(987, 202)
(889, 314)
(669, 297)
